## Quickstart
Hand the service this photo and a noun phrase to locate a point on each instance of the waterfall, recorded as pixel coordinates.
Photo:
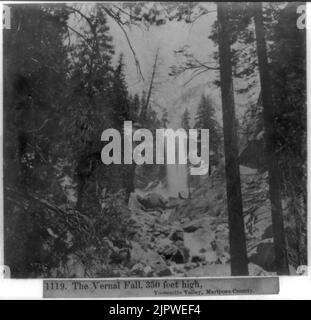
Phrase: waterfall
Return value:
(177, 179)
(177, 175)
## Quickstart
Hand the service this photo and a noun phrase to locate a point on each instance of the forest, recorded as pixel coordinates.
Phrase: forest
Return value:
(70, 71)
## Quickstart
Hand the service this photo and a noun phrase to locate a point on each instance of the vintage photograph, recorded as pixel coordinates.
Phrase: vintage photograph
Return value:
(154, 139)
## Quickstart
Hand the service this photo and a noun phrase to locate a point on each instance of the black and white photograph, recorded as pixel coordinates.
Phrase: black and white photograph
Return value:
(154, 140)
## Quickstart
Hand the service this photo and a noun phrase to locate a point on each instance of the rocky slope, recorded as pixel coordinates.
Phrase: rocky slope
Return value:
(192, 238)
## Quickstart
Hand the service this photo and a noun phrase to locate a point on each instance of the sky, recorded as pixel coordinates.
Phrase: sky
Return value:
(170, 92)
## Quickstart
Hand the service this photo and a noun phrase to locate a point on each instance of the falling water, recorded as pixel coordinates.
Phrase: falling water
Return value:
(177, 180)
(177, 176)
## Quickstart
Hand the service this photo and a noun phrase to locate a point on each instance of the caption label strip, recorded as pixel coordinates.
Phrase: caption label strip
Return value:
(159, 287)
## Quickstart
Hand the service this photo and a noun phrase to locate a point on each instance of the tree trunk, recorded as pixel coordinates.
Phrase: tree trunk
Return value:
(270, 146)
(144, 109)
(238, 253)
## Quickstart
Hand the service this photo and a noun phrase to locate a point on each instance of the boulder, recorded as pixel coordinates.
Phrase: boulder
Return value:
(152, 201)
(137, 253)
(120, 256)
(148, 257)
(164, 273)
(190, 265)
(210, 257)
(223, 258)
(192, 226)
(178, 254)
(255, 270)
(198, 242)
(73, 268)
(147, 271)
(198, 258)
(138, 269)
(141, 270)
(177, 270)
(268, 233)
(177, 234)
(264, 255)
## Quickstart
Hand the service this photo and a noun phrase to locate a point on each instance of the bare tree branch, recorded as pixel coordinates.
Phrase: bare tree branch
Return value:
(120, 24)
(80, 35)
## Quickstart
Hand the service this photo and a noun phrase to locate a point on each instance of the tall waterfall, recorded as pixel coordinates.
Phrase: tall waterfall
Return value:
(177, 176)
(177, 179)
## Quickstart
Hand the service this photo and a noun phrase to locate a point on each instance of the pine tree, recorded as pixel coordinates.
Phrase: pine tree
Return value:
(185, 121)
(237, 240)
(270, 141)
(34, 88)
(120, 109)
(205, 119)
(121, 112)
(93, 86)
(185, 124)
(134, 108)
(288, 72)
(164, 119)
